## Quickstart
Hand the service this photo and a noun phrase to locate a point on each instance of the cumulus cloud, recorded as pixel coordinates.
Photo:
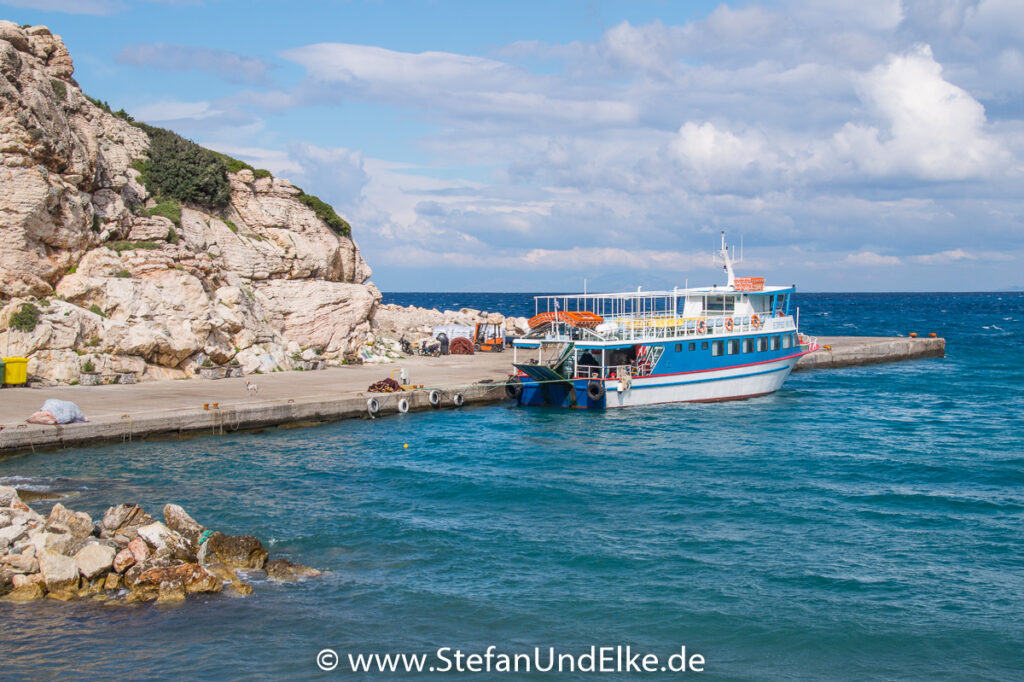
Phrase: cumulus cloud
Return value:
(231, 66)
(933, 129)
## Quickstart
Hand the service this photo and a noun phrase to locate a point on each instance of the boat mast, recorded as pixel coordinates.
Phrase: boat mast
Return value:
(728, 261)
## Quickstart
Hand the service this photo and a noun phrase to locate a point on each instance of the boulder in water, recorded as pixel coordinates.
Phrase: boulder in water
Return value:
(283, 569)
(239, 551)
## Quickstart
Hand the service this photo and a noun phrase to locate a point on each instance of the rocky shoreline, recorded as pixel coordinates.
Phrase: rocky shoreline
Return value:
(126, 557)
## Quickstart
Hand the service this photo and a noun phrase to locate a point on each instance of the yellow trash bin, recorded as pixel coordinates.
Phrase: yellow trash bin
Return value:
(15, 370)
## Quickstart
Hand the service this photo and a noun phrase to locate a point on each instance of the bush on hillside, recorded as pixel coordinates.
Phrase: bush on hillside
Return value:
(180, 169)
(24, 319)
(325, 213)
(168, 208)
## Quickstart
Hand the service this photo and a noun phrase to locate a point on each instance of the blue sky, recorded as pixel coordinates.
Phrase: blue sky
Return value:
(856, 145)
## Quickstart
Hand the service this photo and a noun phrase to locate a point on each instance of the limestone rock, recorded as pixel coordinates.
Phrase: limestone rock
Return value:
(7, 493)
(147, 593)
(238, 551)
(283, 569)
(20, 563)
(166, 543)
(180, 522)
(56, 542)
(171, 591)
(139, 550)
(113, 581)
(156, 228)
(194, 577)
(239, 588)
(123, 560)
(170, 295)
(12, 534)
(25, 592)
(60, 573)
(94, 559)
(77, 524)
(116, 518)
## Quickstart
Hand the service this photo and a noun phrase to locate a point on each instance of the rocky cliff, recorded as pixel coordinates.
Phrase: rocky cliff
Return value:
(259, 280)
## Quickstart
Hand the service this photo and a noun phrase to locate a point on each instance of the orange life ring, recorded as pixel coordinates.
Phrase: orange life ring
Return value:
(702, 327)
(728, 324)
(756, 321)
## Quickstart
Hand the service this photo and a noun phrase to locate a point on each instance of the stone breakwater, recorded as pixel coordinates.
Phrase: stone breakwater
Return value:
(126, 557)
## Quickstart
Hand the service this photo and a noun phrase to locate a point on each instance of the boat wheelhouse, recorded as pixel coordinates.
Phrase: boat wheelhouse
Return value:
(647, 347)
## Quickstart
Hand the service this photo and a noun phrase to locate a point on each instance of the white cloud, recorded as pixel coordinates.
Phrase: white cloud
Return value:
(233, 67)
(96, 7)
(843, 134)
(871, 259)
(933, 129)
(944, 257)
(172, 110)
(377, 66)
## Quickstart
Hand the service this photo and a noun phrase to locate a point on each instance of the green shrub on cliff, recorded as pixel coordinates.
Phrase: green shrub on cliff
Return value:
(168, 208)
(325, 213)
(24, 319)
(120, 246)
(180, 169)
(232, 164)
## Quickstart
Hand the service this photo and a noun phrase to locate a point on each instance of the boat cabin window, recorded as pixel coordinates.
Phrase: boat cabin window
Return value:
(748, 345)
(775, 343)
(716, 347)
(693, 345)
(762, 344)
(704, 345)
(734, 346)
(787, 341)
(679, 348)
(719, 304)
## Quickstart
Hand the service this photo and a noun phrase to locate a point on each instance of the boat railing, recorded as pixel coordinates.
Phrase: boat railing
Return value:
(660, 326)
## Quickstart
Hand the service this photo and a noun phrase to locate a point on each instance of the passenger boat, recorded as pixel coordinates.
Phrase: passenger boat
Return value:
(646, 347)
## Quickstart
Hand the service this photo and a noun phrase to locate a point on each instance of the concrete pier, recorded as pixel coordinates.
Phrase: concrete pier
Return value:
(854, 351)
(177, 408)
(126, 413)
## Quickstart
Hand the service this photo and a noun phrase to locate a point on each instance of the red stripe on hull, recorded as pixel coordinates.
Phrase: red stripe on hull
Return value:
(704, 400)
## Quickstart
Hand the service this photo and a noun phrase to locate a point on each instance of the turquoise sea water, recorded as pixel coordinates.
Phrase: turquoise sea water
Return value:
(859, 524)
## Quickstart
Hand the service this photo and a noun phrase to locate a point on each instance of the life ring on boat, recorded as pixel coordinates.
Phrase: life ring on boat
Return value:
(403, 405)
(434, 398)
(728, 324)
(514, 387)
(457, 399)
(595, 389)
(755, 321)
(702, 327)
